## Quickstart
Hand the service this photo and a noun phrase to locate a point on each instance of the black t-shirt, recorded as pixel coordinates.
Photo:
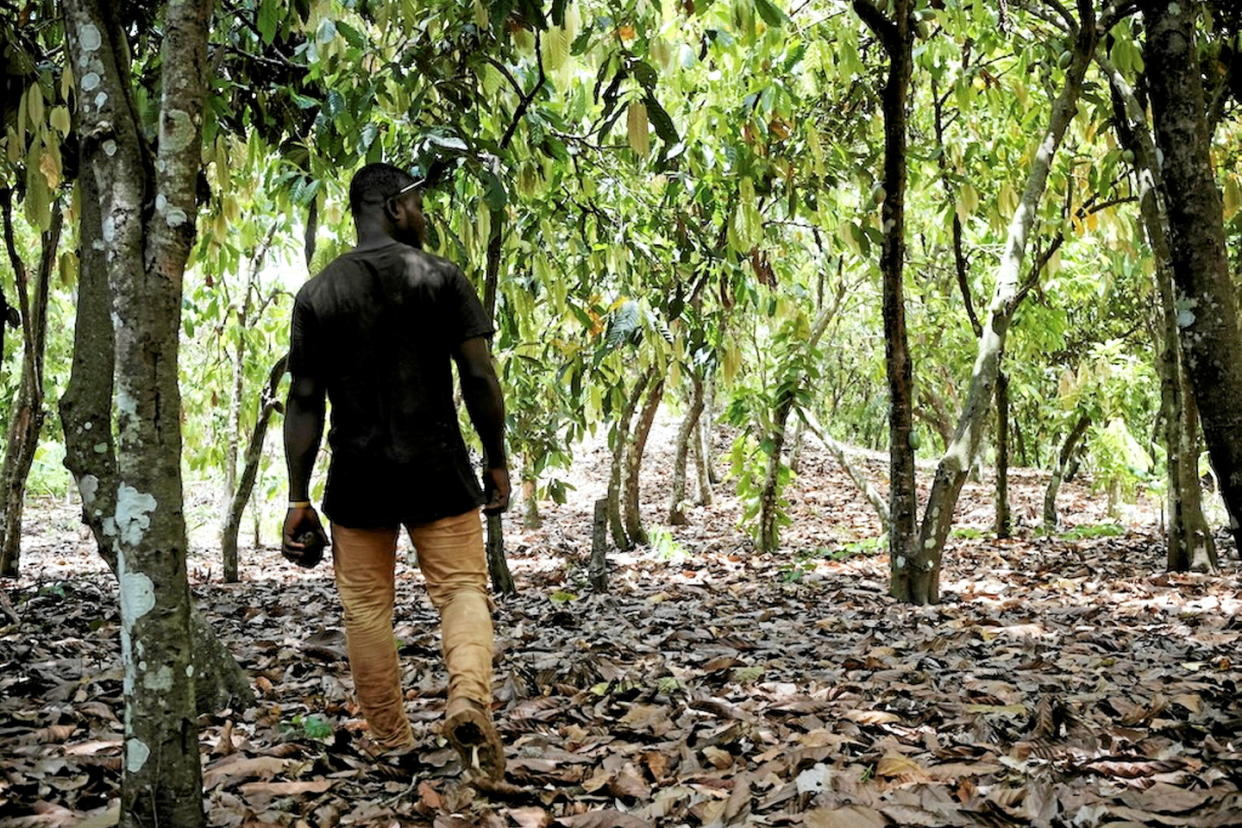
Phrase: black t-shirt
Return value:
(378, 329)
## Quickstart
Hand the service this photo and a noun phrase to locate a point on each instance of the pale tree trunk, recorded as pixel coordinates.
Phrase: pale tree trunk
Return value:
(1205, 296)
(924, 564)
(797, 443)
(27, 413)
(1190, 541)
(897, 37)
(90, 453)
(634, 465)
(269, 404)
(497, 564)
(145, 253)
(685, 436)
(1004, 524)
(530, 503)
(616, 477)
(1051, 520)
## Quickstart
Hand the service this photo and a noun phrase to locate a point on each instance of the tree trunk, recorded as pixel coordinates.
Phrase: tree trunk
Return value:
(1051, 522)
(951, 472)
(530, 504)
(706, 427)
(769, 514)
(146, 253)
(685, 436)
(796, 445)
(238, 390)
(1003, 521)
(1190, 542)
(1208, 309)
(634, 464)
(1020, 442)
(233, 430)
(1198, 545)
(497, 564)
(701, 447)
(90, 454)
(27, 414)
(269, 403)
(598, 571)
(616, 478)
(897, 37)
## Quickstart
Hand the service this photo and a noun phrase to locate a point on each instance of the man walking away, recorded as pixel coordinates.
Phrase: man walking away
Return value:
(375, 332)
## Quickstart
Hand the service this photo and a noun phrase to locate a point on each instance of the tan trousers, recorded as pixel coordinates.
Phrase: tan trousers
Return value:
(451, 557)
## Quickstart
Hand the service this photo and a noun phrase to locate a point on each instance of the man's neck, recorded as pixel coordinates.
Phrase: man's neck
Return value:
(372, 234)
(372, 240)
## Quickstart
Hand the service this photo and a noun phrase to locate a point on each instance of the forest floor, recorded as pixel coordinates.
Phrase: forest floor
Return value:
(1063, 680)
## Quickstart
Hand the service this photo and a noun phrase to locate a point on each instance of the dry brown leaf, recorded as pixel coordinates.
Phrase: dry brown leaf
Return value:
(849, 816)
(898, 766)
(529, 817)
(607, 818)
(429, 796)
(233, 767)
(629, 783)
(872, 717)
(1170, 799)
(224, 745)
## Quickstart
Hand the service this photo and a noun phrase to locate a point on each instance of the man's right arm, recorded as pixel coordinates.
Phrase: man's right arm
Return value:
(486, 403)
(304, 416)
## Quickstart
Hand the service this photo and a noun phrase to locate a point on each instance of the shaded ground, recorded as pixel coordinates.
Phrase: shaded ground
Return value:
(1063, 681)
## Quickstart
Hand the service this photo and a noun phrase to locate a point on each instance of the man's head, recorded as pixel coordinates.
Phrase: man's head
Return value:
(376, 198)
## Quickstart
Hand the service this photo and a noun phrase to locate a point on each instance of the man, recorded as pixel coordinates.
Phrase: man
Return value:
(375, 332)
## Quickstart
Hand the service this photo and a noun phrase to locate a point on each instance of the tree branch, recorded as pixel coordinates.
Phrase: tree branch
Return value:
(885, 29)
(1071, 25)
(526, 99)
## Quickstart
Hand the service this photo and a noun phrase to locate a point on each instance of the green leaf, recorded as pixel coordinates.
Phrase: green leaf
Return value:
(352, 36)
(660, 121)
(770, 14)
(269, 17)
(494, 194)
(644, 73)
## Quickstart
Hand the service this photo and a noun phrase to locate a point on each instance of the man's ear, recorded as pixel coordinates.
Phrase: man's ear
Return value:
(390, 209)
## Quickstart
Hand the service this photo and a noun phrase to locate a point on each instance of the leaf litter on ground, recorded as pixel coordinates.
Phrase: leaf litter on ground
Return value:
(1062, 680)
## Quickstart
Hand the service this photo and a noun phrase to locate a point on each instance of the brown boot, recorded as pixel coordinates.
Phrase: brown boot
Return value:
(468, 728)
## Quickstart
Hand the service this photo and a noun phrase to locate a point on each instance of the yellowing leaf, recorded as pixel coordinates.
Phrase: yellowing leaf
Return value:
(637, 128)
(896, 766)
(1232, 196)
(60, 119)
(34, 101)
(50, 166)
